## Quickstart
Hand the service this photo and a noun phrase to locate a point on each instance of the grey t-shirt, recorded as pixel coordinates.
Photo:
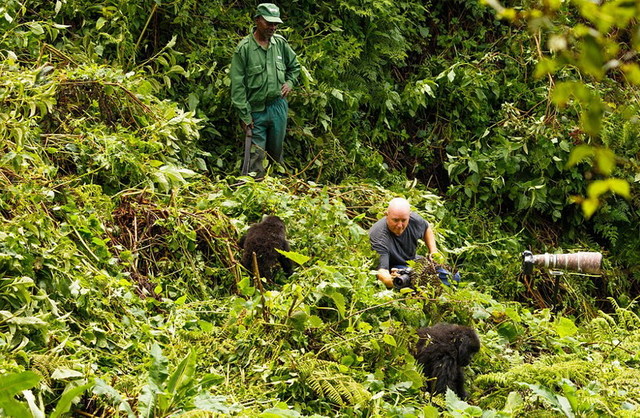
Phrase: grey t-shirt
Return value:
(393, 249)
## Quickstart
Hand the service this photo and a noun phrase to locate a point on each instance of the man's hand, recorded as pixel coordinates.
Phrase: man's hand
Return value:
(385, 277)
(285, 90)
(437, 258)
(245, 126)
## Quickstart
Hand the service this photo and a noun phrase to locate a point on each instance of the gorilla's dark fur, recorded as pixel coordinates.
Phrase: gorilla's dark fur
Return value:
(443, 350)
(263, 238)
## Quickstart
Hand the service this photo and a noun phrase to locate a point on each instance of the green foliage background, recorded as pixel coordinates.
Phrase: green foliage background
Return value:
(120, 206)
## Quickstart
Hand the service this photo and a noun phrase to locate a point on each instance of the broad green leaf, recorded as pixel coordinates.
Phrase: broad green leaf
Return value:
(35, 410)
(600, 187)
(451, 76)
(388, 338)
(158, 370)
(27, 320)
(100, 22)
(205, 325)
(508, 330)
(507, 13)
(101, 388)
(545, 394)
(145, 88)
(172, 42)
(36, 28)
(338, 299)
(182, 377)
(279, 413)
(211, 379)
(13, 408)
(430, 411)
(193, 100)
(565, 327)
(589, 206)
(544, 67)
(64, 404)
(580, 153)
(245, 288)
(177, 69)
(591, 58)
(62, 373)
(147, 401)
(632, 72)
(591, 117)
(416, 379)
(298, 319)
(314, 321)
(552, 4)
(456, 404)
(293, 256)
(211, 403)
(597, 188)
(337, 94)
(606, 160)
(513, 314)
(14, 383)
(565, 406)
(620, 187)
(514, 402)
(569, 390)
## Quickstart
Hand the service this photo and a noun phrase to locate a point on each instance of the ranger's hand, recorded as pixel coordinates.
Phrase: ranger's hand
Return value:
(285, 90)
(245, 126)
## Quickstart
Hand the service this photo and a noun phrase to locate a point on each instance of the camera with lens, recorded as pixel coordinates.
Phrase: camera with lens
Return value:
(402, 278)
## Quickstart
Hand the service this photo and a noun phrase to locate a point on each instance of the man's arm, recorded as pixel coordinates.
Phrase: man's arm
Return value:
(385, 277)
(292, 71)
(430, 240)
(238, 89)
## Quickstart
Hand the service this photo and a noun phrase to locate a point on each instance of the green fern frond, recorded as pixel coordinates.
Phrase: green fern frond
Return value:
(546, 372)
(45, 365)
(495, 379)
(326, 380)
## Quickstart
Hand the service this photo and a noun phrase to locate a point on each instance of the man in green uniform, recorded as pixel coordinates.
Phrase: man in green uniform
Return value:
(264, 70)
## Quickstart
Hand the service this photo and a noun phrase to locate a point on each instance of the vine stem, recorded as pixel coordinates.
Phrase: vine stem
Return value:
(144, 29)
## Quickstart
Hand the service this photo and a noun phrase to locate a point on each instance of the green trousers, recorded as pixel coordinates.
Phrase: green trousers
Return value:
(269, 129)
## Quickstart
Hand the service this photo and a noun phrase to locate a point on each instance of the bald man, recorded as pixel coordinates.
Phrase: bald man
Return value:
(395, 238)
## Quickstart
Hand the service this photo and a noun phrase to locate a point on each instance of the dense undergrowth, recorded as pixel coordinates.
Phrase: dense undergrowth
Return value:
(120, 206)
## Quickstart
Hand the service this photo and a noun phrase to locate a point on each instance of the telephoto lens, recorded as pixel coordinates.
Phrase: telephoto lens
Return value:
(582, 262)
(403, 278)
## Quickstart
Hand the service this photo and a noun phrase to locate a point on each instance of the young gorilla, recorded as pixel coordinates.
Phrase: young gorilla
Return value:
(443, 350)
(263, 238)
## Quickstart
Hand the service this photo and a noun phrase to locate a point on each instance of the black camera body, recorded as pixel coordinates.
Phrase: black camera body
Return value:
(402, 278)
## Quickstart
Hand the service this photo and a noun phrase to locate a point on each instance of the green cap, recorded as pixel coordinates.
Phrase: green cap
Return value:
(269, 11)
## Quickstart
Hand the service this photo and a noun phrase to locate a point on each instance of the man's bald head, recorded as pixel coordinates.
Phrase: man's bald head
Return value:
(399, 204)
(398, 215)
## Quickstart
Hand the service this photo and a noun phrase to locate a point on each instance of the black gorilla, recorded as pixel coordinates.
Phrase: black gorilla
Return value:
(443, 350)
(263, 238)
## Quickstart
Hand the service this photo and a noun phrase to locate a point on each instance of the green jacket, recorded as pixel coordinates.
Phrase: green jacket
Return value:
(257, 74)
